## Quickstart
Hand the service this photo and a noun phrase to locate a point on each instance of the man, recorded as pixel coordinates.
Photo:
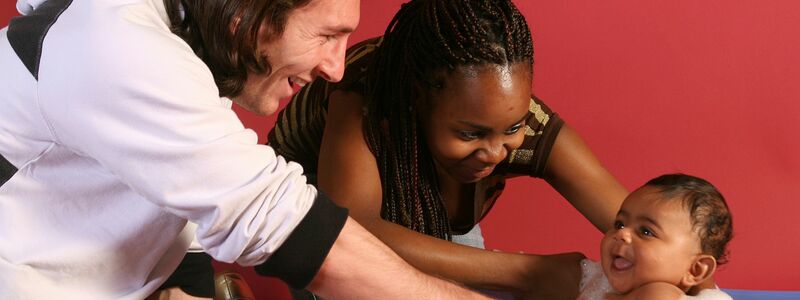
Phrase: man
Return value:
(114, 133)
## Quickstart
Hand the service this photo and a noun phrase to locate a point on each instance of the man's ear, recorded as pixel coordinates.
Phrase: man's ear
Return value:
(701, 269)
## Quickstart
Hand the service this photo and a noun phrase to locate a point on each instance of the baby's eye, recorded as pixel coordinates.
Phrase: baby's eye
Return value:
(646, 231)
(618, 225)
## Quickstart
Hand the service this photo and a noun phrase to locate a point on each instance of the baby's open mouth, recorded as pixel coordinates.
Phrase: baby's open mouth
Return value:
(620, 263)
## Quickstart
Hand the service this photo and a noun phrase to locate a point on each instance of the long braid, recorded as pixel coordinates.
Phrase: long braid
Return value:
(427, 36)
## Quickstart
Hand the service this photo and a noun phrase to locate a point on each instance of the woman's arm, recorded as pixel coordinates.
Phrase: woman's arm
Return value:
(348, 172)
(574, 171)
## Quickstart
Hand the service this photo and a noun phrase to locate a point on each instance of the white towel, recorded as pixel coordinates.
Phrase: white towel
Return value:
(594, 285)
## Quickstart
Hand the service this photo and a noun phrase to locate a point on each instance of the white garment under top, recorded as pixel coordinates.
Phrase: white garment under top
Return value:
(594, 285)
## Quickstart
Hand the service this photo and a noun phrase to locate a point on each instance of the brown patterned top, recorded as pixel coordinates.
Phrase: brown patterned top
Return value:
(297, 135)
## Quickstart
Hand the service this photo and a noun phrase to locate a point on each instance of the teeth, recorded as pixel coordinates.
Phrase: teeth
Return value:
(298, 81)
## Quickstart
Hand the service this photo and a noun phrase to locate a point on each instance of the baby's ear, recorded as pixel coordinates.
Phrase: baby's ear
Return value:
(703, 267)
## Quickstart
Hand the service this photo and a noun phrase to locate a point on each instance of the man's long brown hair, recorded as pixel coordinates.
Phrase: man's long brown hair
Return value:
(224, 34)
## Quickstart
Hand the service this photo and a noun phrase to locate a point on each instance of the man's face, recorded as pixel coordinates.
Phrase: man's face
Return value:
(313, 44)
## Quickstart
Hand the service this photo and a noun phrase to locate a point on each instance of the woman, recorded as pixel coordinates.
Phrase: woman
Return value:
(419, 137)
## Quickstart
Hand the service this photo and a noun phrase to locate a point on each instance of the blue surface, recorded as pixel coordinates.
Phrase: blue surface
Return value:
(763, 295)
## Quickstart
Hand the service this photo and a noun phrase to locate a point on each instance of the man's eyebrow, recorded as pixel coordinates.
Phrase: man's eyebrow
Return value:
(340, 29)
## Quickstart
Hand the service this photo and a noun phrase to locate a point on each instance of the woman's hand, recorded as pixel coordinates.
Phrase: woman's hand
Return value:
(555, 276)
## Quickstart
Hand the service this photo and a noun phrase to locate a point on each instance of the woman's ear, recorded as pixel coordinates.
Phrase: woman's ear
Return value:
(419, 95)
(701, 269)
(424, 90)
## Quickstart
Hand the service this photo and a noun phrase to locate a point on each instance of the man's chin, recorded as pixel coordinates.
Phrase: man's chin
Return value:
(265, 108)
(269, 109)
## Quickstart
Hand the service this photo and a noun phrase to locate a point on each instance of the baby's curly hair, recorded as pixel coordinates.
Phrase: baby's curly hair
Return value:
(707, 208)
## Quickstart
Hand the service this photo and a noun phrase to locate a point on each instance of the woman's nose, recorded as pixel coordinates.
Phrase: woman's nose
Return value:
(493, 153)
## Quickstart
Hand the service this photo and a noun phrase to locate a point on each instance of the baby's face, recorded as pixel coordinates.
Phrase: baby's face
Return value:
(652, 241)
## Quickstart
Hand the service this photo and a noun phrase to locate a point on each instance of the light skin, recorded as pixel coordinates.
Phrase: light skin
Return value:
(653, 249)
(490, 101)
(358, 264)
(312, 45)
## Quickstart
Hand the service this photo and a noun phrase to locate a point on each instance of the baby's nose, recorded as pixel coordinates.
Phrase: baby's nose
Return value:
(623, 235)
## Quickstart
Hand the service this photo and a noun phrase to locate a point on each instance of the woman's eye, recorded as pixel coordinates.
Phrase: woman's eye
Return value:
(618, 225)
(646, 231)
(469, 135)
(514, 129)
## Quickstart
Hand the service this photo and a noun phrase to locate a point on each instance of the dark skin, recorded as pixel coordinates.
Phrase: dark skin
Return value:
(495, 99)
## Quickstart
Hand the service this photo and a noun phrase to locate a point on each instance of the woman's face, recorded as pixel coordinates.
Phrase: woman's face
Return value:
(476, 118)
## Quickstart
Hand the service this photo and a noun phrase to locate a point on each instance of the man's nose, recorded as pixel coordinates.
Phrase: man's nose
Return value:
(331, 68)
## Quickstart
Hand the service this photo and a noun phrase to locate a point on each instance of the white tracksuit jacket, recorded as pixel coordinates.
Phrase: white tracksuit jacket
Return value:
(113, 135)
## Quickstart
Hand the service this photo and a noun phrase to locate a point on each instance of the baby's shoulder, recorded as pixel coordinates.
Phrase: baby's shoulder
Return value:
(710, 294)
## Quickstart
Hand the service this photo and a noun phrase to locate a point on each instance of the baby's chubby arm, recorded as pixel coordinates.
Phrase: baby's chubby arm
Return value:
(651, 291)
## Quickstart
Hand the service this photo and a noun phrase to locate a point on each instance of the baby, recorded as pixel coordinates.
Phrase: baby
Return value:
(668, 236)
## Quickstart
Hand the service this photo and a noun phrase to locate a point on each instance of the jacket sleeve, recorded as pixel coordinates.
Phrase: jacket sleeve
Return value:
(301, 255)
(136, 99)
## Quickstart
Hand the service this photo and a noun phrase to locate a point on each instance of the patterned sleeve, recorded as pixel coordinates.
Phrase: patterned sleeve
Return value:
(541, 131)
(297, 134)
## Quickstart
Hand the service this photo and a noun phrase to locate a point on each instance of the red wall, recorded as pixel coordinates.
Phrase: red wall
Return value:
(708, 88)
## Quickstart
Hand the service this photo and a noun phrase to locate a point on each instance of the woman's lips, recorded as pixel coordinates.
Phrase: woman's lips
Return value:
(477, 173)
(483, 172)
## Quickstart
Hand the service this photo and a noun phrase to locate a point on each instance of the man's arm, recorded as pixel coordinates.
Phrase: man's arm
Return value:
(332, 255)
(359, 266)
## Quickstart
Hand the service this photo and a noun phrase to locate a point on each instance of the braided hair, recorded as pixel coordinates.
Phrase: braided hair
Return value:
(426, 37)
